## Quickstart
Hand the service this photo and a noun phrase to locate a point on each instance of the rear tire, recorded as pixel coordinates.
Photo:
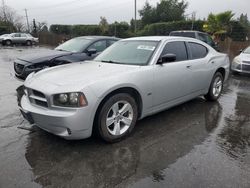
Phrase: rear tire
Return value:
(117, 117)
(28, 43)
(215, 88)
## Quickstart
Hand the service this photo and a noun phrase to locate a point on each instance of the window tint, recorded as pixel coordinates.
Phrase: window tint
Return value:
(17, 35)
(202, 37)
(99, 45)
(178, 48)
(110, 42)
(197, 50)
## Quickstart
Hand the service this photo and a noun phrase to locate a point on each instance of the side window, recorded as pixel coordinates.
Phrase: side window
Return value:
(197, 50)
(99, 45)
(17, 35)
(23, 35)
(210, 41)
(110, 42)
(178, 48)
(203, 37)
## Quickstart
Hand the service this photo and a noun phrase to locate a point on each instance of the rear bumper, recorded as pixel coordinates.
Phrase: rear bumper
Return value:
(69, 124)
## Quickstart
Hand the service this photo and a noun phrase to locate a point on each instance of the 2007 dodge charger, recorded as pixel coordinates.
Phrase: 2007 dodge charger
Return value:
(130, 80)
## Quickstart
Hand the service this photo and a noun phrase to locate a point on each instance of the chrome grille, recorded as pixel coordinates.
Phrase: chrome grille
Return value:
(37, 97)
(18, 68)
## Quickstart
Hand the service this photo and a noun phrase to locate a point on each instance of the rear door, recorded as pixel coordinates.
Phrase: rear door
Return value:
(23, 38)
(199, 66)
(16, 38)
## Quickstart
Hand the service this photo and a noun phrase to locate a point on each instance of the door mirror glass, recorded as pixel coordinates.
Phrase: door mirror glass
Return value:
(167, 58)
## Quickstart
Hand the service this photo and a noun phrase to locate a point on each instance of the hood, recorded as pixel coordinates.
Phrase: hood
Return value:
(244, 57)
(47, 55)
(83, 73)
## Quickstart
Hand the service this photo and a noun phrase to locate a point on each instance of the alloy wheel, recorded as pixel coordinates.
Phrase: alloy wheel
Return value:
(119, 118)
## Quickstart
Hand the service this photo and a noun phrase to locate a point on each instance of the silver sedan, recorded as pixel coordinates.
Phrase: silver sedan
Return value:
(241, 63)
(130, 80)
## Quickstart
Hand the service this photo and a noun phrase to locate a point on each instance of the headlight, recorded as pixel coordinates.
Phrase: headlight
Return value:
(74, 99)
(237, 60)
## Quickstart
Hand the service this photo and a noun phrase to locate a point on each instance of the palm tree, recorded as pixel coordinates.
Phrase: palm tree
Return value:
(219, 23)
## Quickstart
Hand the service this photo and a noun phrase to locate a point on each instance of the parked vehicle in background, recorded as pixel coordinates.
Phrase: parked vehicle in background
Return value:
(132, 79)
(241, 63)
(74, 50)
(19, 38)
(197, 35)
(2, 37)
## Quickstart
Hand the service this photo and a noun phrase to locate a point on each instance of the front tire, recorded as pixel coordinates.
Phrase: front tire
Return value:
(117, 117)
(8, 42)
(215, 88)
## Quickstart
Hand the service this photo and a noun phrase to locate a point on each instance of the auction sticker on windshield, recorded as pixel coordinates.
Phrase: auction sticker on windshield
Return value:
(144, 47)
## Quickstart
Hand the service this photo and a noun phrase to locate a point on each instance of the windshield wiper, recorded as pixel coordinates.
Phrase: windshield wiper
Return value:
(62, 50)
(110, 61)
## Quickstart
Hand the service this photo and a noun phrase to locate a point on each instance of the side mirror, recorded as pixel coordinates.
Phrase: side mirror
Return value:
(167, 58)
(241, 50)
(91, 51)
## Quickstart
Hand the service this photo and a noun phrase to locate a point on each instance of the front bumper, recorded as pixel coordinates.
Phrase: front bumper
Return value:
(241, 67)
(69, 124)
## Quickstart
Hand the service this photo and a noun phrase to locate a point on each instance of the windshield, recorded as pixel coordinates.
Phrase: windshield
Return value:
(74, 45)
(129, 52)
(247, 50)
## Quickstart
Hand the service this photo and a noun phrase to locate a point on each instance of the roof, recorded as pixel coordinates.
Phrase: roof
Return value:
(155, 38)
(191, 31)
(98, 37)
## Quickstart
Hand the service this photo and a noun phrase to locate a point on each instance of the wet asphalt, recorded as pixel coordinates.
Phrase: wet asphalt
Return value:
(197, 144)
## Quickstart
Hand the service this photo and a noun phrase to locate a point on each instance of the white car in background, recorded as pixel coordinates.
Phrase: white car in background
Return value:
(241, 63)
(19, 38)
(130, 80)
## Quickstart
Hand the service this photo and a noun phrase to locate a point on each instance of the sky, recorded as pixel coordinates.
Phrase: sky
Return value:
(90, 11)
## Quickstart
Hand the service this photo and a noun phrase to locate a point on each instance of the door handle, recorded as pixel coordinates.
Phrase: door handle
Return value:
(188, 66)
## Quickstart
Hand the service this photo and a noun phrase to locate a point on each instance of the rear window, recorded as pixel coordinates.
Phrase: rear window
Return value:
(183, 34)
(198, 51)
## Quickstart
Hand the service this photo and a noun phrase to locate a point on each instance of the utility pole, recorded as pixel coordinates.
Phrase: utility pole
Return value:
(135, 17)
(27, 19)
(193, 19)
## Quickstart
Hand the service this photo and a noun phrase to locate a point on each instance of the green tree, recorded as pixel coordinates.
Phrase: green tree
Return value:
(165, 11)
(148, 14)
(104, 25)
(219, 23)
(243, 19)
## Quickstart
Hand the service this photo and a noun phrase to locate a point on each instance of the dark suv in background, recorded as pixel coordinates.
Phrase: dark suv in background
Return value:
(197, 35)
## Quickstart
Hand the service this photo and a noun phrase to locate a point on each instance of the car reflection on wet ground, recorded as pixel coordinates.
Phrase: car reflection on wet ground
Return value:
(196, 144)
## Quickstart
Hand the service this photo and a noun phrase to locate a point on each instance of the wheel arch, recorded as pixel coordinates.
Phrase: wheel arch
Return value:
(126, 89)
(222, 71)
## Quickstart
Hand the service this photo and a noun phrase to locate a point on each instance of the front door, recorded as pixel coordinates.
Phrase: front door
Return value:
(172, 80)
